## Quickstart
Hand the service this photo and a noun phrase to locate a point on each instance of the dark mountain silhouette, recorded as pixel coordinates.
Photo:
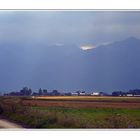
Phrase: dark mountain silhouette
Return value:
(115, 66)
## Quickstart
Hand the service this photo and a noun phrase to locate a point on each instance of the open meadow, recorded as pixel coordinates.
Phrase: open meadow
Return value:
(72, 111)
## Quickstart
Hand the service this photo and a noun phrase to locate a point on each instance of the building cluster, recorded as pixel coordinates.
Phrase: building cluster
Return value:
(44, 92)
(135, 92)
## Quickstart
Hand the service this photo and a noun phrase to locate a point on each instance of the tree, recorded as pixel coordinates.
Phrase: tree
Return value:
(30, 91)
(25, 91)
(40, 91)
(56, 93)
(45, 91)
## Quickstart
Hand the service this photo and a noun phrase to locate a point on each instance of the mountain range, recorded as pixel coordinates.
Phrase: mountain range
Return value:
(110, 67)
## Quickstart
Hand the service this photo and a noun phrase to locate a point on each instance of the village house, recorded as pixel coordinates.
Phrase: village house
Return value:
(74, 94)
(82, 94)
(95, 94)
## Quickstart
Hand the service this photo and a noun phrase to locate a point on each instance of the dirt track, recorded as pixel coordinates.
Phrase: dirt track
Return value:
(6, 124)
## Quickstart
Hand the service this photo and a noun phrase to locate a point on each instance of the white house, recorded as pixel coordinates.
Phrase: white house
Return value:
(74, 94)
(129, 95)
(82, 93)
(95, 94)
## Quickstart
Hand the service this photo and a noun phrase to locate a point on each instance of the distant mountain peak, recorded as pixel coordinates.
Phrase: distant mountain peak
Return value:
(131, 38)
(130, 41)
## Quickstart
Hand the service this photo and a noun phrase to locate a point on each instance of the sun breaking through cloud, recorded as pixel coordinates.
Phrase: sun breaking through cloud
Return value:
(87, 47)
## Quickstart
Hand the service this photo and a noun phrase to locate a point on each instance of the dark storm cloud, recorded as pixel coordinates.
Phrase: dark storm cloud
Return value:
(79, 27)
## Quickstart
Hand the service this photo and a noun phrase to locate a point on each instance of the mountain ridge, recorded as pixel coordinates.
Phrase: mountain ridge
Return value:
(102, 69)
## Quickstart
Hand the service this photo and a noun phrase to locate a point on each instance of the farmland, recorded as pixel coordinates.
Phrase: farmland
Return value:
(72, 111)
(86, 102)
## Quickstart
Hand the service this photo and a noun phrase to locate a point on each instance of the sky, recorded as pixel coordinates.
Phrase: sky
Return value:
(28, 40)
(57, 28)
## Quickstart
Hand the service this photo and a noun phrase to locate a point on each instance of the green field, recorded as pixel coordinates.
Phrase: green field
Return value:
(34, 116)
(92, 118)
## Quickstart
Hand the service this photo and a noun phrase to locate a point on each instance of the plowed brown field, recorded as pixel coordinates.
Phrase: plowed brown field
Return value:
(85, 102)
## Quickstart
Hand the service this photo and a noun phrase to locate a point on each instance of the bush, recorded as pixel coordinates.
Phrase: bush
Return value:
(1, 110)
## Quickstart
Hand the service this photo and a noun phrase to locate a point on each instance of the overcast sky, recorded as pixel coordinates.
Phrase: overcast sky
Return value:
(63, 27)
(30, 43)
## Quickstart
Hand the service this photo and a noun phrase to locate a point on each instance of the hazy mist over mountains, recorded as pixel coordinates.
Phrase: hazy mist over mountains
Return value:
(49, 55)
(106, 68)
